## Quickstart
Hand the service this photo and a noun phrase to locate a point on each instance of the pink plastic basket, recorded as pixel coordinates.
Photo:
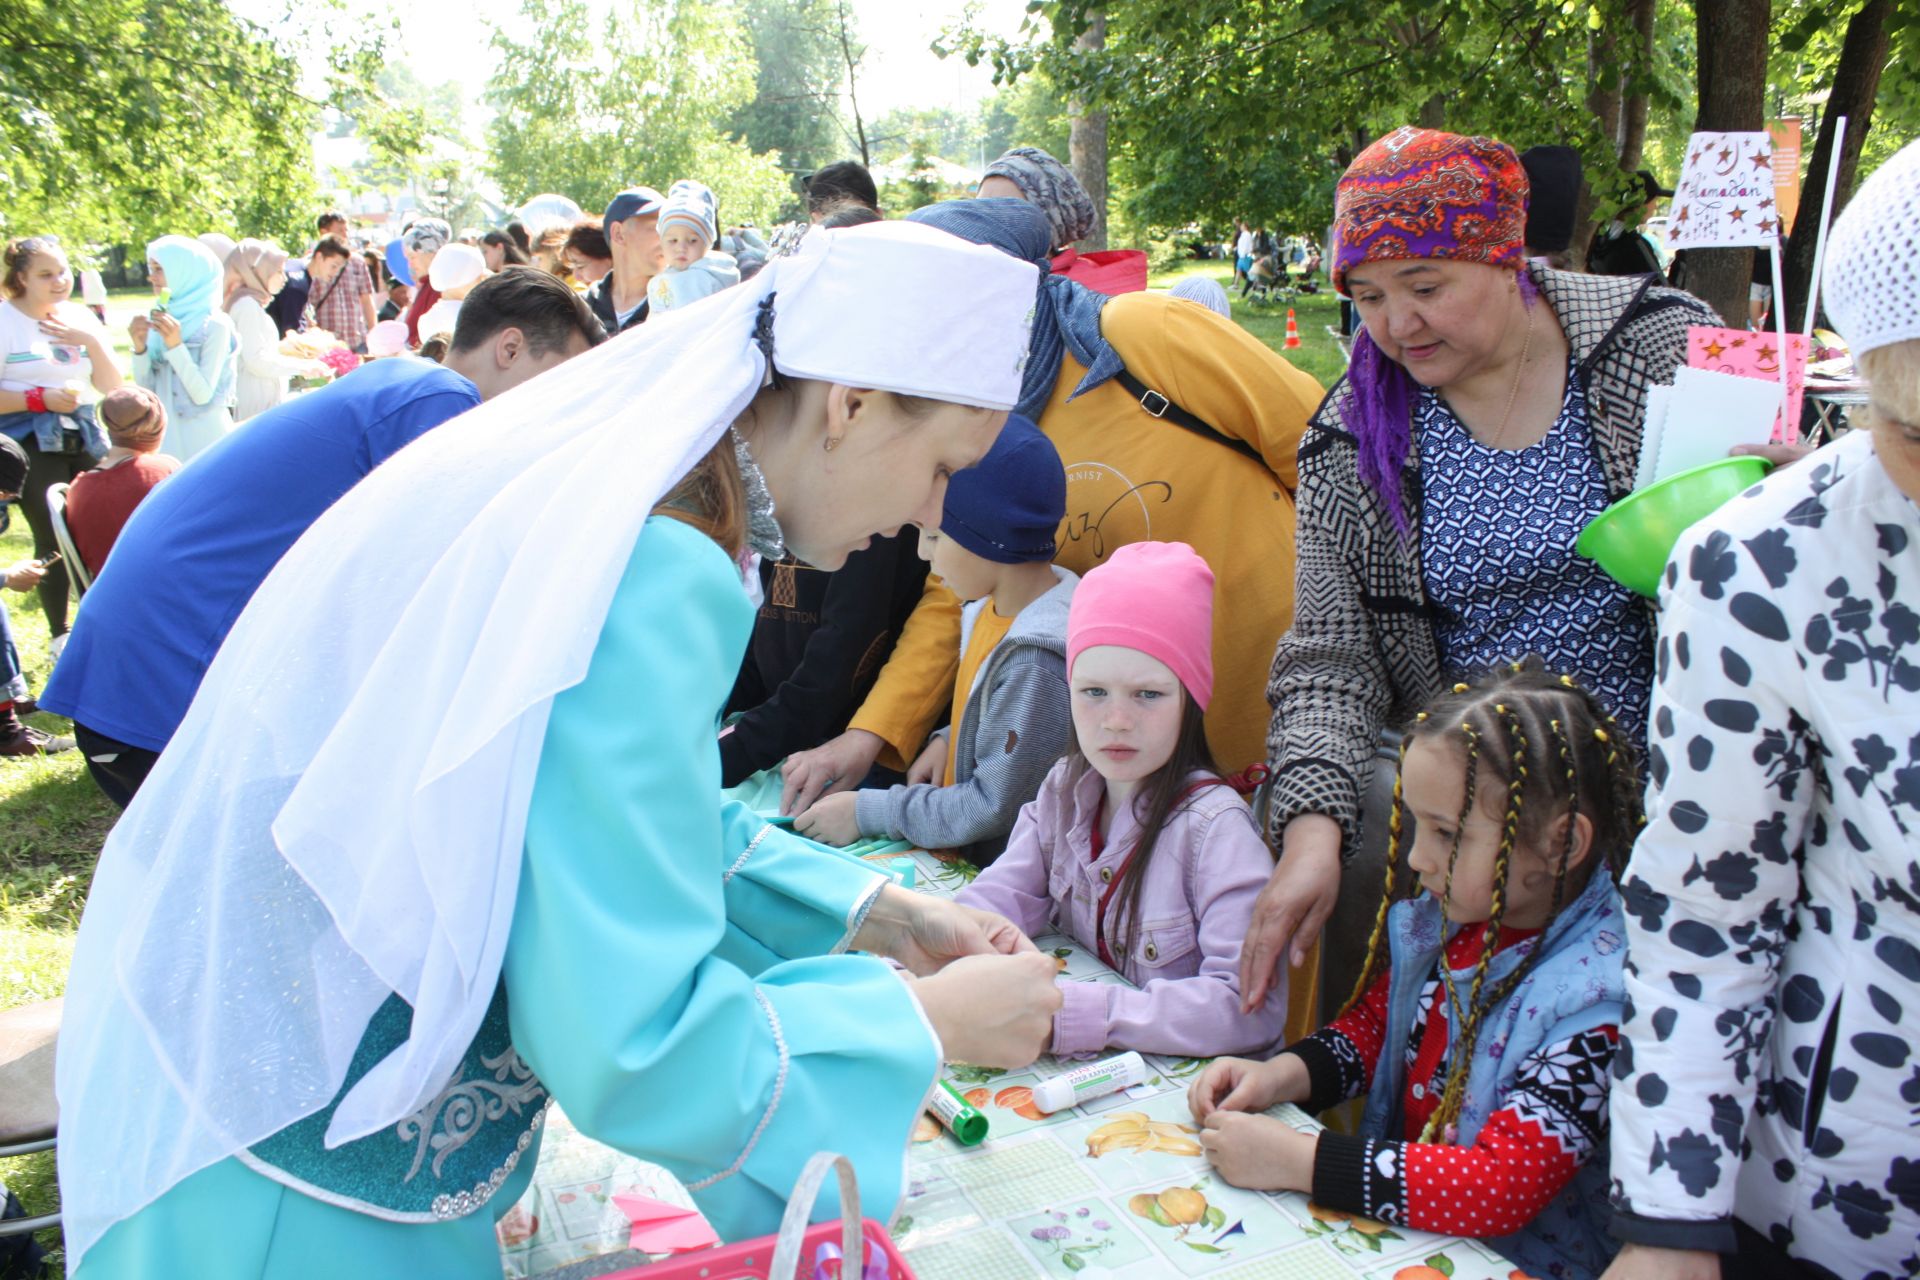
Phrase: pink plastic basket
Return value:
(791, 1253)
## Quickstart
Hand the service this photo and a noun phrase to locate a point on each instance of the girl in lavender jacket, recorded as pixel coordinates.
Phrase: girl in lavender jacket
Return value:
(1136, 846)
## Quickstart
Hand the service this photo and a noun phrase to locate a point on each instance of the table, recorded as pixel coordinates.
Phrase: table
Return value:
(1829, 420)
(1043, 1196)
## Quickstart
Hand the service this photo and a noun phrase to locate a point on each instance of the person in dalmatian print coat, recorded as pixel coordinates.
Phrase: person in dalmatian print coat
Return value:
(1766, 1099)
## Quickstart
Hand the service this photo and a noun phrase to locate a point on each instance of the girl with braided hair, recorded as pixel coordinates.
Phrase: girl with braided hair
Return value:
(1485, 1070)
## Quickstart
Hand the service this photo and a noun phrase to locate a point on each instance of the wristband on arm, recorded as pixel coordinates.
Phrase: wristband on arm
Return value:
(36, 400)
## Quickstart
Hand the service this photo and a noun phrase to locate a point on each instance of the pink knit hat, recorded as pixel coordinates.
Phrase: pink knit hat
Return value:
(1156, 597)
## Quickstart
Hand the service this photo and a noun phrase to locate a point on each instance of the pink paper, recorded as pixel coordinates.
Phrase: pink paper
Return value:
(659, 1227)
(1754, 355)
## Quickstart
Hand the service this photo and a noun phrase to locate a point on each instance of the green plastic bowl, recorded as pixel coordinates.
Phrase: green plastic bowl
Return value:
(1633, 538)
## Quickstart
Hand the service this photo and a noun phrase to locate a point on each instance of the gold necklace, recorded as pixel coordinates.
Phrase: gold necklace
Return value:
(1513, 394)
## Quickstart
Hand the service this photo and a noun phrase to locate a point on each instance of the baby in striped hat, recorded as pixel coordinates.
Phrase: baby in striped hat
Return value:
(689, 224)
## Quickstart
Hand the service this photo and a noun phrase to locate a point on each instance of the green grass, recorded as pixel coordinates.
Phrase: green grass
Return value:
(52, 823)
(1318, 353)
(53, 820)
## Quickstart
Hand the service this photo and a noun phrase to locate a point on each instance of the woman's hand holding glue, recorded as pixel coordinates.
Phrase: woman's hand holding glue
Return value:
(992, 1011)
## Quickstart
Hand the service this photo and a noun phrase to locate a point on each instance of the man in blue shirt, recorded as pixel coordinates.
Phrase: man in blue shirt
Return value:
(200, 545)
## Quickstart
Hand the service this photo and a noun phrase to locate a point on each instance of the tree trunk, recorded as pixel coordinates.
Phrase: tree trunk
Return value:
(1087, 144)
(853, 97)
(1731, 39)
(1633, 107)
(1855, 83)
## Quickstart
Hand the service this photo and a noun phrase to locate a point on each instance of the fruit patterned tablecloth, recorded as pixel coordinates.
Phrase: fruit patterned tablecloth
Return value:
(1116, 1188)
(1119, 1187)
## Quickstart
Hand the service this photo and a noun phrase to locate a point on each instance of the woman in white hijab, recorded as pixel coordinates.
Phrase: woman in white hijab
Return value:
(256, 271)
(441, 837)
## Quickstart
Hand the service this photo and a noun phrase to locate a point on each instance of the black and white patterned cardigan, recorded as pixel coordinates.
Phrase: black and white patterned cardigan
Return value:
(1361, 652)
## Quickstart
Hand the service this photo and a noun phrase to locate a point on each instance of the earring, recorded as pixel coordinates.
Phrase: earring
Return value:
(833, 442)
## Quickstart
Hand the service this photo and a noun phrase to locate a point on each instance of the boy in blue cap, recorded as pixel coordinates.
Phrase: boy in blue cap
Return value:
(1012, 716)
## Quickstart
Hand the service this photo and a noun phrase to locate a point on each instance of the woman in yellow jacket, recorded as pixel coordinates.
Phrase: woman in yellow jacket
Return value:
(1174, 424)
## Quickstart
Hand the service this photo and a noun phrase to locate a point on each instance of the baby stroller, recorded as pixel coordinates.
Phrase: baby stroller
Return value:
(1267, 281)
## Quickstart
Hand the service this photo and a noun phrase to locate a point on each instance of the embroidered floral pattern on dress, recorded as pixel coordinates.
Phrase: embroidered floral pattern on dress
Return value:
(451, 1119)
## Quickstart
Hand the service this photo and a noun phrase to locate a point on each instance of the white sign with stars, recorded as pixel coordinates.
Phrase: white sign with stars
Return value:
(1724, 199)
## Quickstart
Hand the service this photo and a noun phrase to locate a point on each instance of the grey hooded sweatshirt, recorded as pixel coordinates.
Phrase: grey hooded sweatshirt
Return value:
(1018, 722)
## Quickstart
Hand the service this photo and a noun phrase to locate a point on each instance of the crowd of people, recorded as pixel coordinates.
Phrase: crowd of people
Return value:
(984, 546)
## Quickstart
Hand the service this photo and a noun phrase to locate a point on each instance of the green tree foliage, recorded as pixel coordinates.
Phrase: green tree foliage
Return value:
(794, 110)
(589, 105)
(121, 120)
(1030, 112)
(1226, 107)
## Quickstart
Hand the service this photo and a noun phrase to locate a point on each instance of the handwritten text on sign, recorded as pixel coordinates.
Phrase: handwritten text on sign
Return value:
(1725, 198)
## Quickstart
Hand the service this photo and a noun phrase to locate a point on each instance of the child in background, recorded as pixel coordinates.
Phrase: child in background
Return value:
(689, 223)
(995, 549)
(1136, 845)
(1486, 1076)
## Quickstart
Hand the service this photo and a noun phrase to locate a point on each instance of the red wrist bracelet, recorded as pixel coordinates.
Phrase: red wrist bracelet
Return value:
(36, 400)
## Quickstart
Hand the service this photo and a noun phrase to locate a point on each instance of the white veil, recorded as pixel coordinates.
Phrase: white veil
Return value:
(341, 814)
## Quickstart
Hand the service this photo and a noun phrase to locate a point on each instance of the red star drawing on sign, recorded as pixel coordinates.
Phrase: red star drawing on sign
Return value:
(1767, 203)
(1681, 216)
(1736, 214)
(1761, 160)
(1694, 158)
(1726, 154)
(1767, 225)
(1715, 350)
(1766, 354)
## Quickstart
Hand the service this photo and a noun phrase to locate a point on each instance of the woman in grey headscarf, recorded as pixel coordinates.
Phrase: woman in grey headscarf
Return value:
(1030, 174)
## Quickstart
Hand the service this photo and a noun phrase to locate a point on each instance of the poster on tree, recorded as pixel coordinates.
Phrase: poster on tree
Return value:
(1725, 197)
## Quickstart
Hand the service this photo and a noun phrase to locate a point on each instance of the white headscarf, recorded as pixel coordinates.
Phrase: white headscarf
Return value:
(341, 814)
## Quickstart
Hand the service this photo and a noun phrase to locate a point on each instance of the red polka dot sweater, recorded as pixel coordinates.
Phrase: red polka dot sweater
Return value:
(1526, 1153)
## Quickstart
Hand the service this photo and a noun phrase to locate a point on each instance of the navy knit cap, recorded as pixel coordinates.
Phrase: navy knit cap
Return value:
(1007, 507)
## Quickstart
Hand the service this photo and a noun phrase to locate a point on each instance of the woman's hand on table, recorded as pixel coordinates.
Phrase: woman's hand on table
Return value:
(1242, 1084)
(992, 1011)
(1259, 1153)
(1642, 1262)
(931, 764)
(830, 820)
(1294, 906)
(838, 765)
(927, 934)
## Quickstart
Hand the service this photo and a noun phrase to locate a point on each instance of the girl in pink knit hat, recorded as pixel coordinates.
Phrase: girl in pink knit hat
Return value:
(1136, 846)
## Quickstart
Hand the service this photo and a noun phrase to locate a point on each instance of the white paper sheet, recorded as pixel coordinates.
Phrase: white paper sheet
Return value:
(1707, 414)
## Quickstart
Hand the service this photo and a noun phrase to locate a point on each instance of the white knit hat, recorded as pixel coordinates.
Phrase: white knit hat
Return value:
(1872, 277)
(455, 265)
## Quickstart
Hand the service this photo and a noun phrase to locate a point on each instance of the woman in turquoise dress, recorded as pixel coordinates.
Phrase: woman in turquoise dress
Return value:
(441, 840)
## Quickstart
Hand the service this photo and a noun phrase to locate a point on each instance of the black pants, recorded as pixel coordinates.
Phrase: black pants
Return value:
(44, 470)
(117, 768)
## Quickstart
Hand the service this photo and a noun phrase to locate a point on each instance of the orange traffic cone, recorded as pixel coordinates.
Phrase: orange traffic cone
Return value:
(1293, 331)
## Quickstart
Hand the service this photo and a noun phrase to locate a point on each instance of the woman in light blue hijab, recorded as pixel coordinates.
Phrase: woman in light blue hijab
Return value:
(185, 349)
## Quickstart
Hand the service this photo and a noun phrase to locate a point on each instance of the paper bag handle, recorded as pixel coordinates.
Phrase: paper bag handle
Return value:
(793, 1224)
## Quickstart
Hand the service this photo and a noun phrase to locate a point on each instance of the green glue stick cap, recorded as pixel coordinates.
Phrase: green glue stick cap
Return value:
(966, 1122)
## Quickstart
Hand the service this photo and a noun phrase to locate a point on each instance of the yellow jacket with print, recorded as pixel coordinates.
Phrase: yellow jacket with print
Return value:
(1132, 477)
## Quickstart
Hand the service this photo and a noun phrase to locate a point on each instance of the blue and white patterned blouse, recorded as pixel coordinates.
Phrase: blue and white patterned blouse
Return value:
(1497, 528)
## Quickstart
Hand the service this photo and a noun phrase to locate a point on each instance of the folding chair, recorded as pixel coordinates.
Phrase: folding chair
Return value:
(29, 1116)
(69, 554)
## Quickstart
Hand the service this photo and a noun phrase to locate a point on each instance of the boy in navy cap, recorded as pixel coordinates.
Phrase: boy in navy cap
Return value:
(1012, 716)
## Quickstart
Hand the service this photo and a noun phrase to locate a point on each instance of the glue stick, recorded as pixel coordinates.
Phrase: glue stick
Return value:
(1095, 1080)
(967, 1122)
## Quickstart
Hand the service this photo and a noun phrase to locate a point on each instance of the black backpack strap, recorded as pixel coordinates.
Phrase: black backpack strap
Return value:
(1160, 406)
